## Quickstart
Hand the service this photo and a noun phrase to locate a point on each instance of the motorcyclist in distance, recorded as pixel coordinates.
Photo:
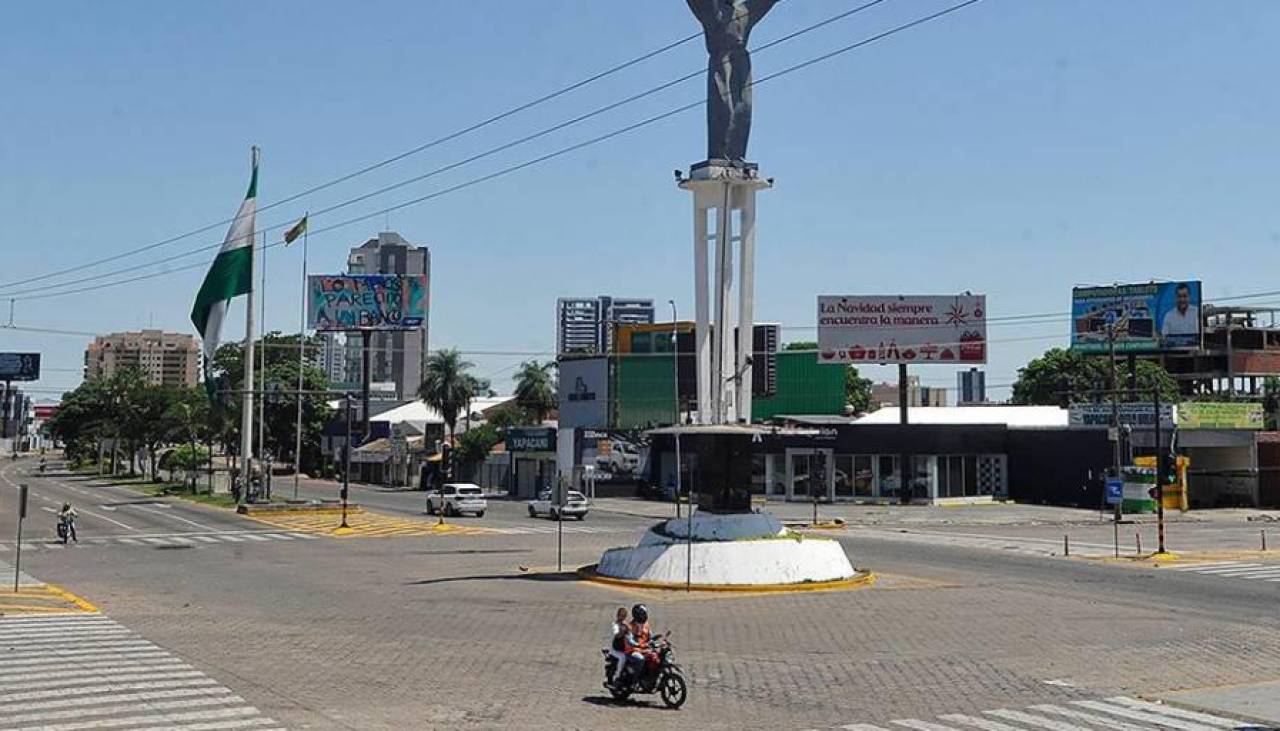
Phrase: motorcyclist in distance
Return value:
(67, 515)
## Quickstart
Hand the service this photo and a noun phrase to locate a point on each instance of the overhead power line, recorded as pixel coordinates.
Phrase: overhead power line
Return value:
(444, 168)
(387, 161)
(547, 157)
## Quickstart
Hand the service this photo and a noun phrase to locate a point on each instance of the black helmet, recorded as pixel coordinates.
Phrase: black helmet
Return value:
(640, 613)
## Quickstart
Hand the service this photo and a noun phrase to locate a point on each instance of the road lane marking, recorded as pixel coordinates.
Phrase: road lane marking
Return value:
(1035, 721)
(1136, 715)
(982, 723)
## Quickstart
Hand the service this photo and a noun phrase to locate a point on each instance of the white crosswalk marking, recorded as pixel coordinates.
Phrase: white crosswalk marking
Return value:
(1249, 571)
(166, 540)
(79, 672)
(1125, 712)
(982, 723)
(1120, 713)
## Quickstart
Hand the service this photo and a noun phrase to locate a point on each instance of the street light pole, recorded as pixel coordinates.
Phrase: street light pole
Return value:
(675, 370)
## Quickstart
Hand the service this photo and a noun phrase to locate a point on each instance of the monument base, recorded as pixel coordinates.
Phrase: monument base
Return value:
(739, 550)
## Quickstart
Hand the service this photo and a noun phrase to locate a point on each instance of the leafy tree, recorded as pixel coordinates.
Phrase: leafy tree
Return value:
(535, 392)
(1271, 401)
(447, 386)
(1061, 376)
(475, 444)
(279, 412)
(857, 391)
(509, 415)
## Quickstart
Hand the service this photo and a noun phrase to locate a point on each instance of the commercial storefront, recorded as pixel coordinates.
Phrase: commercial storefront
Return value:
(979, 455)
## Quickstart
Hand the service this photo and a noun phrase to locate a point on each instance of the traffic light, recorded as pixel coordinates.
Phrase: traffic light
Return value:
(446, 461)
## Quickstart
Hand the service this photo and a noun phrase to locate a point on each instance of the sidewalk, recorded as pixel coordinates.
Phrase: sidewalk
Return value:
(925, 515)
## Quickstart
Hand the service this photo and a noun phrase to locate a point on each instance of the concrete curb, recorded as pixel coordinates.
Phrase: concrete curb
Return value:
(864, 579)
(285, 509)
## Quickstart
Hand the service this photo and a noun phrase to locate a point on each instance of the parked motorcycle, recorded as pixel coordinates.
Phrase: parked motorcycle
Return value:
(659, 674)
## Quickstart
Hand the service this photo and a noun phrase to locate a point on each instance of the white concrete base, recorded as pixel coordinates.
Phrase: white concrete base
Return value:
(761, 553)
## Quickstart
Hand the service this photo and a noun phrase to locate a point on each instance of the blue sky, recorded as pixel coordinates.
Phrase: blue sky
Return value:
(1015, 148)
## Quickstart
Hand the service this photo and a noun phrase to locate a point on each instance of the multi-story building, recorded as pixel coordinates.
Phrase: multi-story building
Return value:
(971, 387)
(885, 395)
(396, 357)
(167, 359)
(333, 358)
(587, 325)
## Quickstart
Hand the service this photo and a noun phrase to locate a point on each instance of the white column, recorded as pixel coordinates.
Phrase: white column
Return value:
(746, 299)
(702, 307)
(723, 357)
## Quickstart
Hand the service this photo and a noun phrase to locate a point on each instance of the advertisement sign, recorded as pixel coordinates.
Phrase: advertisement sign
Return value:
(614, 455)
(584, 392)
(19, 366)
(1213, 415)
(531, 439)
(1143, 318)
(1136, 415)
(347, 302)
(902, 329)
(1115, 490)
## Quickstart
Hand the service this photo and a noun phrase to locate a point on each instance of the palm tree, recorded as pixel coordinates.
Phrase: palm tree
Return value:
(446, 386)
(534, 390)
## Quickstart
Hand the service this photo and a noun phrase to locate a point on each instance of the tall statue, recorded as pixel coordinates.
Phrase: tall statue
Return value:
(727, 25)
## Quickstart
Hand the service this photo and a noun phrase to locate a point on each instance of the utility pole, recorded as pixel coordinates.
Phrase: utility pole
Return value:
(904, 459)
(1115, 411)
(1155, 397)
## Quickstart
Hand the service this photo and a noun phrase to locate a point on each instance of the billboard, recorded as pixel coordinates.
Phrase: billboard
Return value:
(19, 366)
(531, 439)
(613, 455)
(1215, 415)
(1139, 415)
(902, 329)
(1143, 318)
(347, 302)
(584, 392)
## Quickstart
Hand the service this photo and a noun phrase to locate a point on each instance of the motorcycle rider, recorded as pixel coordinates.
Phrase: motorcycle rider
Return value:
(636, 645)
(67, 517)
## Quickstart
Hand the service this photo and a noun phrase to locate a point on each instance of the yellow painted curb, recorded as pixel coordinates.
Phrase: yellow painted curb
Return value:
(83, 604)
(867, 578)
(340, 531)
(59, 601)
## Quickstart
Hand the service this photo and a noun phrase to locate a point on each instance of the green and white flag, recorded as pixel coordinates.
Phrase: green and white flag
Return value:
(231, 274)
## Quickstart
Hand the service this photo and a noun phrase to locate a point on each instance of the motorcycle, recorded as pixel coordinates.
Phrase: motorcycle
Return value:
(64, 529)
(659, 674)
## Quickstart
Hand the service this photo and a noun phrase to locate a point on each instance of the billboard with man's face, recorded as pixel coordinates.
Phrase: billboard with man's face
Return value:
(1142, 318)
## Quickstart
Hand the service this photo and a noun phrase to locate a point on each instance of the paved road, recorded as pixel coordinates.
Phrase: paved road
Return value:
(448, 631)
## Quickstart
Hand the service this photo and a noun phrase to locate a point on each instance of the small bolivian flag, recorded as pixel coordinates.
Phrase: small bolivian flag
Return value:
(295, 231)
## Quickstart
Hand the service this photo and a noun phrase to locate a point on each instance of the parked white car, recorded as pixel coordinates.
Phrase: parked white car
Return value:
(575, 506)
(458, 498)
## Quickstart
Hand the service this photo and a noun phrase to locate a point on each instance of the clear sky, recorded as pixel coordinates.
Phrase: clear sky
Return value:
(1015, 148)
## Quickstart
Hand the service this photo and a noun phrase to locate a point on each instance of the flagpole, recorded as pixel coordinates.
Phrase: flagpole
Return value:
(246, 416)
(262, 363)
(302, 357)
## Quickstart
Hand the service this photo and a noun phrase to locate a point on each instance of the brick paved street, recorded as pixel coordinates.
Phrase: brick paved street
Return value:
(478, 631)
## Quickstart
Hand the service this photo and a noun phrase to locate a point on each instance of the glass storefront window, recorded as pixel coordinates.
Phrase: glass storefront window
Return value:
(777, 474)
(921, 475)
(888, 475)
(844, 475)
(863, 476)
(757, 474)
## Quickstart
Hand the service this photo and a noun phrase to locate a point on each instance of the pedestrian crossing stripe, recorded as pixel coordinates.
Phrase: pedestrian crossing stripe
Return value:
(1120, 713)
(164, 540)
(363, 525)
(49, 680)
(1233, 570)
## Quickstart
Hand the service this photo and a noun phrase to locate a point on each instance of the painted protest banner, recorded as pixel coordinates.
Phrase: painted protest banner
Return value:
(349, 302)
(19, 366)
(902, 329)
(1142, 318)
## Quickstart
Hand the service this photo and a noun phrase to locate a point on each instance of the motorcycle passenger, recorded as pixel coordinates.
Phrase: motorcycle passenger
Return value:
(67, 516)
(637, 641)
(617, 643)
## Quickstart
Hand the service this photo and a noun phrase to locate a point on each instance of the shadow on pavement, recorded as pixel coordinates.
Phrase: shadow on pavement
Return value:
(605, 701)
(472, 551)
(550, 576)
